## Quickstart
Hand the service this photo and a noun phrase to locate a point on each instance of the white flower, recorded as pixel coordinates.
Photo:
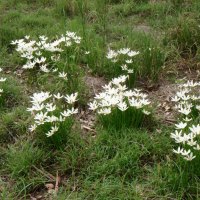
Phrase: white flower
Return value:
(184, 110)
(197, 147)
(112, 91)
(33, 127)
(129, 93)
(61, 118)
(124, 51)
(55, 58)
(3, 79)
(38, 53)
(100, 96)
(68, 43)
(112, 54)
(135, 103)
(146, 112)
(29, 65)
(66, 113)
(58, 96)
(122, 88)
(114, 60)
(87, 52)
(120, 79)
(40, 118)
(124, 67)
(53, 130)
(122, 106)
(178, 151)
(145, 101)
(44, 68)
(40, 60)
(27, 37)
(36, 107)
(130, 71)
(186, 100)
(104, 111)
(73, 111)
(192, 142)
(175, 99)
(133, 53)
(51, 119)
(55, 70)
(190, 157)
(93, 105)
(186, 119)
(181, 125)
(50, 107)
(63, 75)
(40, 97)
(116, 95)
(71, 98)
(177, 135)
(129, 61)
(195, 129)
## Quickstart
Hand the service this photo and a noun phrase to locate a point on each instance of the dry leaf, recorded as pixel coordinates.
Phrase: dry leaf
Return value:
(49, 186)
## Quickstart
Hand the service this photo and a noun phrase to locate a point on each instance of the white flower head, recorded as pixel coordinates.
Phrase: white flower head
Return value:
(53, 130)
(71, 98)
(181, 125)
(62, 75)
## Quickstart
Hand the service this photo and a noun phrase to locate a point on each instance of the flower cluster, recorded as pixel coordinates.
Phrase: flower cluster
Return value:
(124, 57)
(43, 53)
(1, 81)
(187, 103)
(50, 111)
(116, 96)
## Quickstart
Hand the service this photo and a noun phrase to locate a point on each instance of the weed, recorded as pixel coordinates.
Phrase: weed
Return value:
(185, 37)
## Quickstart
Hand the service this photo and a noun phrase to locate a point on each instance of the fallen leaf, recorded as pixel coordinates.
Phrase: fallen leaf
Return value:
(49, 186)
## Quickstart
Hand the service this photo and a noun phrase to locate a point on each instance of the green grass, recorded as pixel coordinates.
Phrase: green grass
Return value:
(125, 164)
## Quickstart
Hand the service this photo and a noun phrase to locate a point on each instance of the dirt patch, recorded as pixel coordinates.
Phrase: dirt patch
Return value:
(148, 30)
(161, 98)
(94, 84)
(165, 90)
(143, 28)
(87, 117)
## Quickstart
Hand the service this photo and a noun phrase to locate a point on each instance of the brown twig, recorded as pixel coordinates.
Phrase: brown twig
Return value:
(88, 128)
(57, 182)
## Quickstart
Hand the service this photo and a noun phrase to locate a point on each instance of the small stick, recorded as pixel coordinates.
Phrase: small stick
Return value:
(57, 181)
(88, 128)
